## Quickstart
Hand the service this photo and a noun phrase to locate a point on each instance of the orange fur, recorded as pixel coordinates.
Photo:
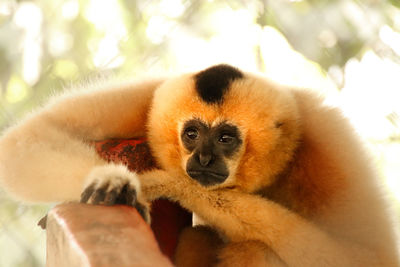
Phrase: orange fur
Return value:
(304, 169)
(301, 191)
(248, 254)
(309, 185)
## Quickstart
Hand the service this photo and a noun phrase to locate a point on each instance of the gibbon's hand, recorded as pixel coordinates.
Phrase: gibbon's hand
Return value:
(113, 185)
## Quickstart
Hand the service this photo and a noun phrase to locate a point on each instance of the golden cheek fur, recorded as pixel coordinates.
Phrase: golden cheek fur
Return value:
(233, 164)
(270, 118)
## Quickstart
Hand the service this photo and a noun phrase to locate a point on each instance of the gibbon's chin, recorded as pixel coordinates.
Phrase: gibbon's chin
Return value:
(207, 178)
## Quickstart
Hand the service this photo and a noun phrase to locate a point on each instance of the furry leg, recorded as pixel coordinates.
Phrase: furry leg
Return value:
(198, 246)
(248, 254)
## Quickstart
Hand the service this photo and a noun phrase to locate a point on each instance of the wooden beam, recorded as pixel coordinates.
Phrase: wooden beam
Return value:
(83, 235)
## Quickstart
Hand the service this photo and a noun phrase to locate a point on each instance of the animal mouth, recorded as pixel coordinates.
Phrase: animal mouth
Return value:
(207, 178)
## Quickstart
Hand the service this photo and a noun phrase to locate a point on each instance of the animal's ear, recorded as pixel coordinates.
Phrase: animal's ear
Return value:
(317, 171)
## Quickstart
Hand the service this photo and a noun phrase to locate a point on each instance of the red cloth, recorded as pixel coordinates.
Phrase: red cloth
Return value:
(168, 218)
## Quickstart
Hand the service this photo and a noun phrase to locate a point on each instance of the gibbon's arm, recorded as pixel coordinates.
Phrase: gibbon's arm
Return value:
(46, 156)
(245, 217)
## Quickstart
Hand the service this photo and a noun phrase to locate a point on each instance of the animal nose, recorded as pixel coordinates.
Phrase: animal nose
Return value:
(205, 159)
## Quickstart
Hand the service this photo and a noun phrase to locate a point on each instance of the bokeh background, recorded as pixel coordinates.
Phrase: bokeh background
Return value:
(348, 49)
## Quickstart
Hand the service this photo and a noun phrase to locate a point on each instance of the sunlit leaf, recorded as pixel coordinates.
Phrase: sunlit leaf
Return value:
(396, 3)
(65, 69)
(17, 90)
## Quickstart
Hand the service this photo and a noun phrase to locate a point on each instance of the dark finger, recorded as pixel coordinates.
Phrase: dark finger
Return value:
(100, 194)
(142, 209)
(131, 196)
(87, 193)
(111, 197)
(127, 196)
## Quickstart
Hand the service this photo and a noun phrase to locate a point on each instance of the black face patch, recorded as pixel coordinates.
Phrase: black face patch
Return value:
(210, 147)
(212, 83)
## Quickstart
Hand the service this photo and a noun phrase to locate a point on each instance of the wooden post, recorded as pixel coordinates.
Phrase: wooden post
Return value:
(80, 235)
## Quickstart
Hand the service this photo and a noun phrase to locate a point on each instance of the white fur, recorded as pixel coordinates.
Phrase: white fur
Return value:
(47, 156)
(115, 175)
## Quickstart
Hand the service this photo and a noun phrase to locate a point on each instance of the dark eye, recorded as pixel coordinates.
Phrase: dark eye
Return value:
(226, 139)
(192, 133)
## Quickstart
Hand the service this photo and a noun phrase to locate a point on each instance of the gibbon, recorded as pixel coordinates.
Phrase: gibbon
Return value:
(273, 176)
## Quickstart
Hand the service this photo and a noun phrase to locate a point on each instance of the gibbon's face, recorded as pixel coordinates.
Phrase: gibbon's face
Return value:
(223, 128)
(210, 148)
